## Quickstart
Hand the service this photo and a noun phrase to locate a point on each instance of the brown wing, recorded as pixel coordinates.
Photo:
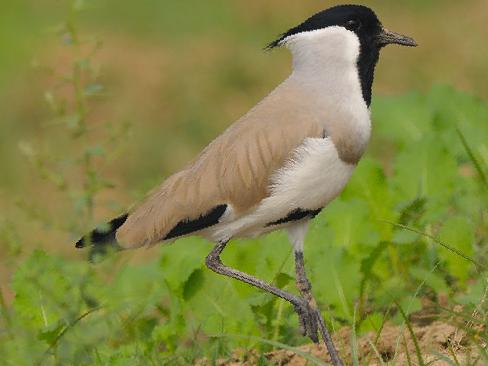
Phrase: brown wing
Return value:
(234, 169)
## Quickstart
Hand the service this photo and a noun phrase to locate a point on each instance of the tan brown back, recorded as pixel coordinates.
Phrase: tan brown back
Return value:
(233, 169)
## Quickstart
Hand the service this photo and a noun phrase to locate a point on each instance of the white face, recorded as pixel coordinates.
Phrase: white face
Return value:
(325, 62)
(332, 46)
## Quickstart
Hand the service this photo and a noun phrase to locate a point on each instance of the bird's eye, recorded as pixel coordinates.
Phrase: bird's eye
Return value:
(353, 25)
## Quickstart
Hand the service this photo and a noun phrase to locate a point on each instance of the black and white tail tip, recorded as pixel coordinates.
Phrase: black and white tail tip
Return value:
(103, 235)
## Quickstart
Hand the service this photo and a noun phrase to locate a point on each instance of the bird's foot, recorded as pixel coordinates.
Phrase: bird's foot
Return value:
(308, 317)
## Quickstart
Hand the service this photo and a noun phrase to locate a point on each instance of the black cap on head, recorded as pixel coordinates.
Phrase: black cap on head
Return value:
(356, 18)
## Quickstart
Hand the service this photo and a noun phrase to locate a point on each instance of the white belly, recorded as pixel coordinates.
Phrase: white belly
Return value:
(309, 181)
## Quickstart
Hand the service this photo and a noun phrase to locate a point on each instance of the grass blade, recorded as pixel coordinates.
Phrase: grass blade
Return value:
(461, 315)
(441, 243)
(473, 159)
(415, 295)
(412, 334)
(68, 327)
(299, 352)
(376, 352)
(453, 354)
(444, 358)
(482, 351)
(367, 265)
(354, 341)
(405, 345)
(378, 334)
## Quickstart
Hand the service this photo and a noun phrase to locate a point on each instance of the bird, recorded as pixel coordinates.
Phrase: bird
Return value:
(279, 165)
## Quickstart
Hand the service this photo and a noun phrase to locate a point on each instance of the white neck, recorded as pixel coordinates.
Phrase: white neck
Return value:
(325, 69)
(329, 53)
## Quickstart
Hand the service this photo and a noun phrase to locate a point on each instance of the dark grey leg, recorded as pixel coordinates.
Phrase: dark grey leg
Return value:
(305, 288)
(306, 314)
(303, 284)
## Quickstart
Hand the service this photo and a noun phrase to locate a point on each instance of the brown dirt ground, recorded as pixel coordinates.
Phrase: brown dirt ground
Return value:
(395, 347)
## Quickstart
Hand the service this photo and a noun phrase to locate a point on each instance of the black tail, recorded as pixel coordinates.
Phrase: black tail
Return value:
(103, 236)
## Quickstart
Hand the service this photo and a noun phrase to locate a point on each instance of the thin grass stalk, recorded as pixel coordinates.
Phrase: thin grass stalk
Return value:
(479, 266)
(412, 334)
(376, 352)
(407, 353)
(472, 157)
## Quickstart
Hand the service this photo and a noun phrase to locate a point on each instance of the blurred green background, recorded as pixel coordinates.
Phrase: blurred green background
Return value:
(182, 71)
(171, 75)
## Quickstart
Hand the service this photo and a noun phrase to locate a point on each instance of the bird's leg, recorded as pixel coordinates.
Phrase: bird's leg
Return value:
(302, 307)
(304, 286)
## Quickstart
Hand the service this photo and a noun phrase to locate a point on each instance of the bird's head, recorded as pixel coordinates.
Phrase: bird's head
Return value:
(360, 20)
(339, 38)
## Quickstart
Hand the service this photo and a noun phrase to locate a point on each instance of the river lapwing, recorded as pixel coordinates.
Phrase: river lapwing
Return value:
(280, 164)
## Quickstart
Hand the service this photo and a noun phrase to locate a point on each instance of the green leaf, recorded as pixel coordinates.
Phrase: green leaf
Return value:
(193, 284)
(402, 119)
(283, 279)
(369, 184)
(458, 232)
(372, 323)
(50, 335)
(425, 169)
(366, 269)
(473, 158)
(352, 227)
(431, 279)
(336, 278)
(412, 211)
(180, 261)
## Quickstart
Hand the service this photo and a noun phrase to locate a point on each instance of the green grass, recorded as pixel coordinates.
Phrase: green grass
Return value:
(71, 311)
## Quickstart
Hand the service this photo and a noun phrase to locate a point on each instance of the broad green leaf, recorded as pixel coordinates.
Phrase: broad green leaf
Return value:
(50, 334)
(352, 225)
(179, 261)
(370, 184)
(372, 323)
(335, 279)
(431, 279)
(401, 119)
(458, 232)
(283, 279)
(193, 284)
(425, 169)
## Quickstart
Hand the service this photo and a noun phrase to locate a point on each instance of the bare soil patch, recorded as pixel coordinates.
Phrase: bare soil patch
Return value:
(437, 342)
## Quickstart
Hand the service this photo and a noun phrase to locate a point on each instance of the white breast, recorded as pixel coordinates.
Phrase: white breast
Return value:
(314, 176)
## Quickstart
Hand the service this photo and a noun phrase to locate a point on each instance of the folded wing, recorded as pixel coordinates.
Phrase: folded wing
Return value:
(234, 170)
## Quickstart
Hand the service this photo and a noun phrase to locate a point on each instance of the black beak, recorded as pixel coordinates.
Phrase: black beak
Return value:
(386, 37)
